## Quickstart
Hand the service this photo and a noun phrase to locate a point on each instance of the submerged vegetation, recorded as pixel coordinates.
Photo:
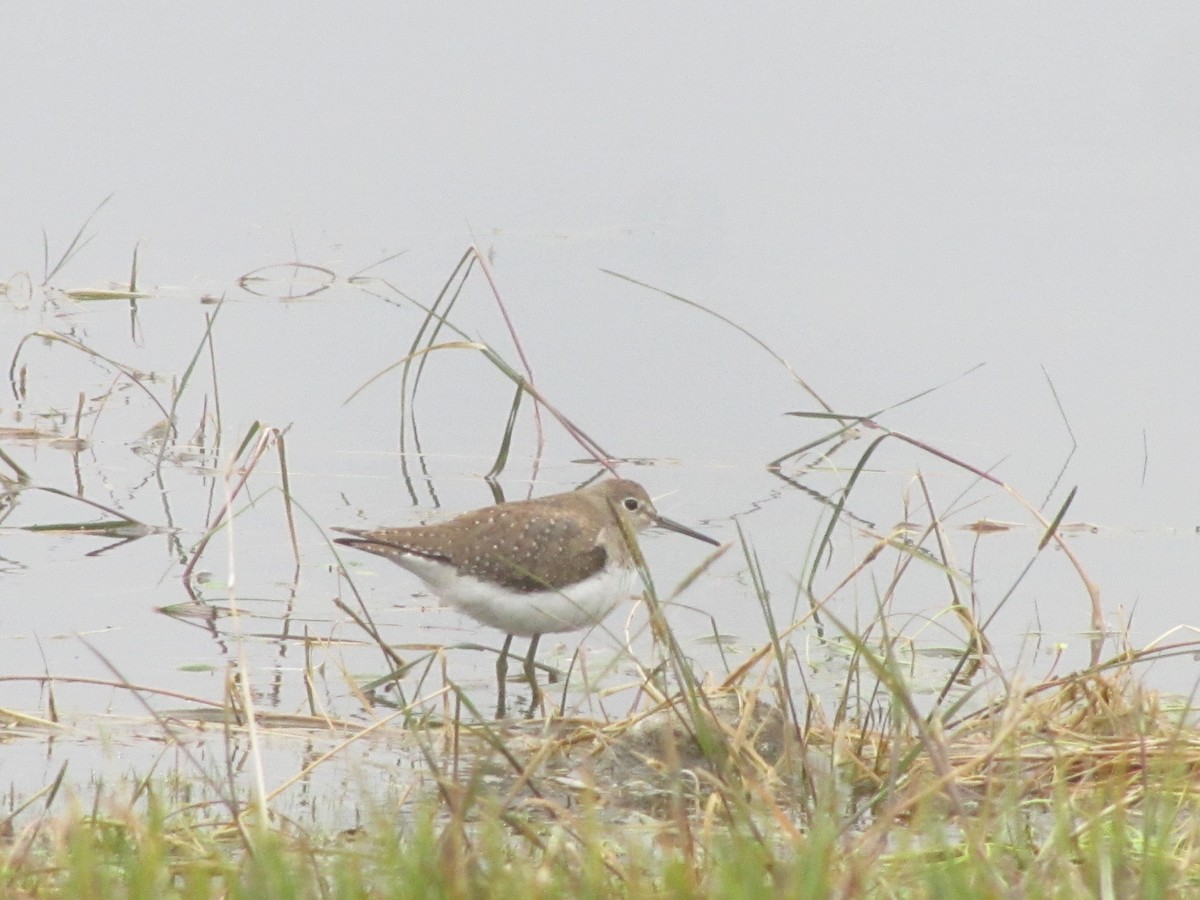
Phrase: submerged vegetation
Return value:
(743, 783)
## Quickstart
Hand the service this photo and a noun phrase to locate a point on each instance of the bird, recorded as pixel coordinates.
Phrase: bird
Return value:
(552, 564)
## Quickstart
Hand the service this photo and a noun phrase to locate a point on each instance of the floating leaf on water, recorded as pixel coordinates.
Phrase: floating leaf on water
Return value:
(160, 431)
(123, 528)
(103, 294)
(189, 610)
(50, 438)
(724, 640)
(1078, 528)
(65, 442)
(989, 526)
(632, 460)
(940, 652)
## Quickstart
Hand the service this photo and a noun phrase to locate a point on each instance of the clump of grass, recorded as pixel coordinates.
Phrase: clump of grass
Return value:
(1081, 787)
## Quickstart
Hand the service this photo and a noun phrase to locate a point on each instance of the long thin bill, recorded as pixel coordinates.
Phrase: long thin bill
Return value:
(683, 529)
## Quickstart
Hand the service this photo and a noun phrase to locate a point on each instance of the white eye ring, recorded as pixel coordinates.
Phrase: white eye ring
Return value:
(631, 503)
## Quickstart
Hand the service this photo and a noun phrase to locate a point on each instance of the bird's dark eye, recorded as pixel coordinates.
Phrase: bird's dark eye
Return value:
(631, 503)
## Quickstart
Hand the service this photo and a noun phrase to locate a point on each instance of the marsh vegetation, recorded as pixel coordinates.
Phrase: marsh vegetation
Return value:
(853, 713)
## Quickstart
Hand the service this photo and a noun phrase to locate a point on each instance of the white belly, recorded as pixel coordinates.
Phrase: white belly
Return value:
(581, 605)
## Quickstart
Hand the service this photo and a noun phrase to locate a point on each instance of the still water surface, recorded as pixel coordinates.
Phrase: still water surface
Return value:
(890, 202)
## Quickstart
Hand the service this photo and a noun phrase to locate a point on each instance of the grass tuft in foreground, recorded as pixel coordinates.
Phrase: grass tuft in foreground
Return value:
(1080, 787)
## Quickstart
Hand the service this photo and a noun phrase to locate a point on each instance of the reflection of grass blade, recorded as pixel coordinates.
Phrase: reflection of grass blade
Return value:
(285, 482)
(209, 319)
(117, 528)
(132, 294)
(21, 474)
(251, 281)
(116, 514)
(506, 440)
(124, 530)
(265, 439)
(128, 371)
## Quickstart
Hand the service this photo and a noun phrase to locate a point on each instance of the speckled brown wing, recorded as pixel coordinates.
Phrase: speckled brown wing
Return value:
(519, 546)
(546, 554)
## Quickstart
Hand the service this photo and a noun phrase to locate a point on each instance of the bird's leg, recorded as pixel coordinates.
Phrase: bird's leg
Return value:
(530, 671)
(502, 659)
(502, 678)
(535, 695)
(501, 700)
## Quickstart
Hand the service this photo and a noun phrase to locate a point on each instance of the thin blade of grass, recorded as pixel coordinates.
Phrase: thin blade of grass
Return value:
(77, 243)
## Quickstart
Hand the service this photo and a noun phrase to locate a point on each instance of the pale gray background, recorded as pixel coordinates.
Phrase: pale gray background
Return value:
(888, 194)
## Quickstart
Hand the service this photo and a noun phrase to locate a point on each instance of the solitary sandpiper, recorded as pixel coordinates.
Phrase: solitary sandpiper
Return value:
(529, 567)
